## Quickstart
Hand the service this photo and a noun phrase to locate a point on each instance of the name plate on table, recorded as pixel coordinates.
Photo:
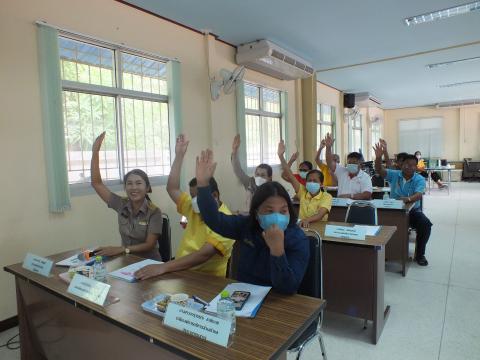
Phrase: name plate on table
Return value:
(198, 324)
(341, 202)
(37, 264)
(388, 204)
(89, 289)
(345, 232)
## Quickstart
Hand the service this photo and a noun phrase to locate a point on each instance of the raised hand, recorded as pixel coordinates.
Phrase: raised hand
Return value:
(97, 144)
(328, 140)
(236, 144)
(294, 157)
(281, 148)
(205, 167)
(384, 144)
(323, 144)
(274, 238)
(378, 148)
(181, 145)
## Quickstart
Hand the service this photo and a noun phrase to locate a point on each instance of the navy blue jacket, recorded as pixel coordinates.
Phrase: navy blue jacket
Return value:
(256, 265)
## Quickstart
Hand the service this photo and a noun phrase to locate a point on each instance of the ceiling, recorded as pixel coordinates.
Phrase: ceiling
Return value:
(341, 33)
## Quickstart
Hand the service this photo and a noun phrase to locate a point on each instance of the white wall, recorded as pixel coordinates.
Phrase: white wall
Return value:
(24, 218)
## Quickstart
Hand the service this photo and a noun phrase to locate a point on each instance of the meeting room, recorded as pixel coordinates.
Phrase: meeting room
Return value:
(240, 180)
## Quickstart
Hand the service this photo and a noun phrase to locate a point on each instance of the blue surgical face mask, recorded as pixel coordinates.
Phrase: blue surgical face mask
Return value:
(312, 187)
(352, 168)
(303, 174)
(267, 220)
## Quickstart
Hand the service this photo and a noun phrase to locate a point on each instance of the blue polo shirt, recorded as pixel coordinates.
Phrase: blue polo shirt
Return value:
(399, 187)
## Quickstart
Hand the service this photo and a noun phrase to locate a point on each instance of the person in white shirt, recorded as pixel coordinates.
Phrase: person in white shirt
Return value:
(353, 182)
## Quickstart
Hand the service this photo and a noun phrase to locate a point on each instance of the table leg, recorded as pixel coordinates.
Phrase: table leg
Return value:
(380, 313)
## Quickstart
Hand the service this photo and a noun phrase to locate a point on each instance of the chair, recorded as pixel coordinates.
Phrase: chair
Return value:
(362, 212)
(312, 285)
(232, 265)
(378, 181)
(165, 240)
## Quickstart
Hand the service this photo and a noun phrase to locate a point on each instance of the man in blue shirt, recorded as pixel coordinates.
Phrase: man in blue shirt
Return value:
(407, 185)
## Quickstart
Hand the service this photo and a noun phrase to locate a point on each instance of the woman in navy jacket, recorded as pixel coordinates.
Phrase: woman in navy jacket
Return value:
(274, 251)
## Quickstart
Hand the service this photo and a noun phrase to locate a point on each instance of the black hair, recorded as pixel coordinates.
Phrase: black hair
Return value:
(418, 152)
(401, 156)
(318, 172)
(355, 155)
(272, 188)
(266, 167)
(213, 184)
(410, 157)
(143, 175)
(308, 163)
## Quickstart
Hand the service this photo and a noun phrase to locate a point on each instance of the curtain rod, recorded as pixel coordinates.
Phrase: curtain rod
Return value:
(120, 46)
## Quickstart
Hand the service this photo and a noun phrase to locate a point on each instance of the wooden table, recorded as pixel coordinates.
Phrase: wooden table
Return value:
(57, 325)
(353, 275)
(397, 247)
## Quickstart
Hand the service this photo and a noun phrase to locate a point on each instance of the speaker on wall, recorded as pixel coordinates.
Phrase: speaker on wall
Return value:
(349, 100)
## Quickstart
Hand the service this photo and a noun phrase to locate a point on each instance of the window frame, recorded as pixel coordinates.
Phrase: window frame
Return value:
(332, 124)
(351, 128)
(117, 92)
(262, 113)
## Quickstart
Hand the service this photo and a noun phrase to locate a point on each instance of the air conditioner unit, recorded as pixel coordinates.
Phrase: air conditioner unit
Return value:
(268, 58)
(455, 104)
(366, 99)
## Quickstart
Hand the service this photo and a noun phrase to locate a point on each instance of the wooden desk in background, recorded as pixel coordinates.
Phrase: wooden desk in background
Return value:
(353, 275)
(57, 325)
(397, 247)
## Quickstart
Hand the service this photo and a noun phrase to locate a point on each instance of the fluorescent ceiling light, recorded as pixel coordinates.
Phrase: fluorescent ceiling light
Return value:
(460, 84)
(443, 14)
(447, 63)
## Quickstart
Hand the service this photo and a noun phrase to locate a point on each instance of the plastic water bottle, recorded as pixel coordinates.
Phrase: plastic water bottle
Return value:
(226, 309)
(99, 270)
(386, 196)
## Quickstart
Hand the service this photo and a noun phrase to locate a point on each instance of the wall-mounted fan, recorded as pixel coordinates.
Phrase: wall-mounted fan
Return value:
(227, 82)
(351, 113)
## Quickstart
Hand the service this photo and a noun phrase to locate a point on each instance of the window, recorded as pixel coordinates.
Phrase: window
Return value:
(325, 124)
(263, 124)
(355, 132)
(376, 134)
(425, 135)
(125, 94)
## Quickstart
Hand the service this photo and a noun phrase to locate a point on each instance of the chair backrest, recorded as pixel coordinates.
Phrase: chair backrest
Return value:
(165, 240)
(378, 181)
(232, 265)
(362, 212)
(312, 283)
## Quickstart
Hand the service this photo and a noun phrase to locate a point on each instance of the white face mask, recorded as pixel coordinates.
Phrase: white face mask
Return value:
(352, 168)
(195, 207)
(260, 180)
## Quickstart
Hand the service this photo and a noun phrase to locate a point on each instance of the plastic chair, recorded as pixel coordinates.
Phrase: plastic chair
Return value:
(312, 285)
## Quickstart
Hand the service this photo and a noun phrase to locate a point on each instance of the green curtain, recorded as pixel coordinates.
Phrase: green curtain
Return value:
(241, 126)
(284, 112)
(174, 96)
(52, 116)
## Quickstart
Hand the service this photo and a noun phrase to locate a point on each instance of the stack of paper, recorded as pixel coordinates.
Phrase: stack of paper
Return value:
(251, 307)
(74, 261)
(127, 273)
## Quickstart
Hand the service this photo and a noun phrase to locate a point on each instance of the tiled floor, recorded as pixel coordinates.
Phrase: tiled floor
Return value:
(434, 310)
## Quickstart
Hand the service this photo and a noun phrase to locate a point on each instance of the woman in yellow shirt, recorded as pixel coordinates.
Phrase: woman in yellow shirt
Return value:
(421, 170)
(315, 204)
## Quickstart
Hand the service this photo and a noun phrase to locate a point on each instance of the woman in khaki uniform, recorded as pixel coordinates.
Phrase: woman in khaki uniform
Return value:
(139, 220)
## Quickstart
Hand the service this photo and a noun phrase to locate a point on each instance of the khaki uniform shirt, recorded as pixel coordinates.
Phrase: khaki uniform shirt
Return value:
(135, 228)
